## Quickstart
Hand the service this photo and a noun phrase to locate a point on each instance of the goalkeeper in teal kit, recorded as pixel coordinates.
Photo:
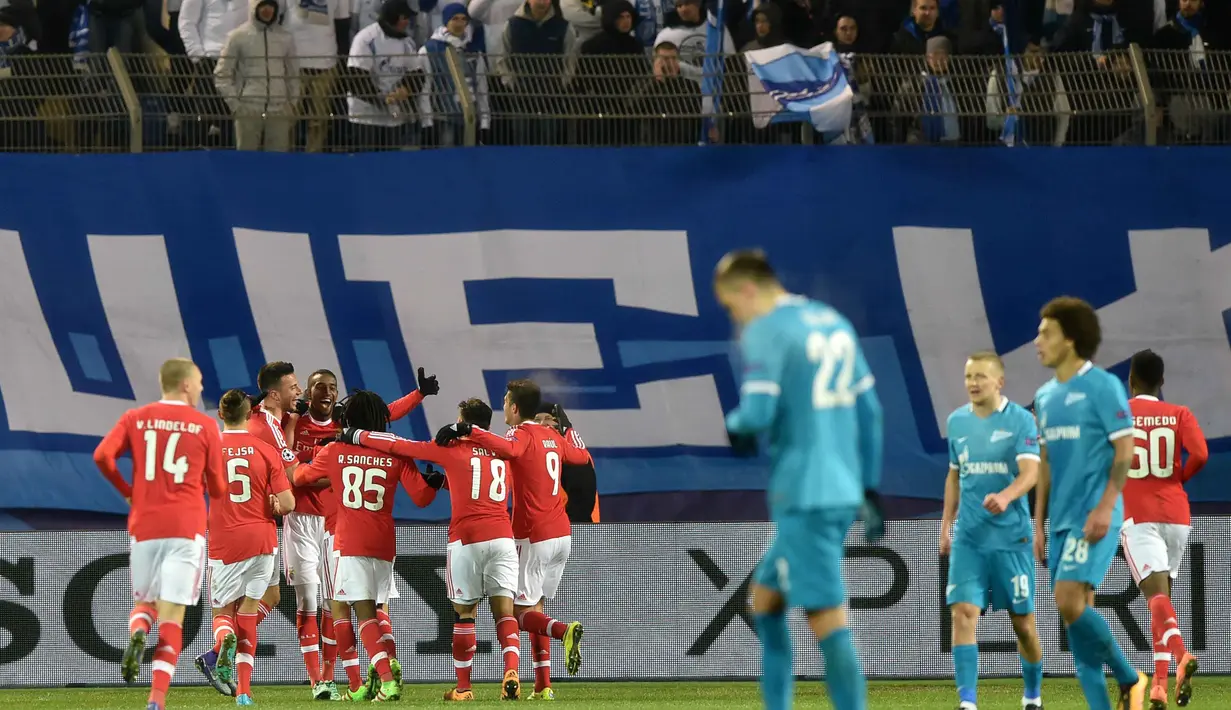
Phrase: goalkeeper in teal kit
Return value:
(806, 384)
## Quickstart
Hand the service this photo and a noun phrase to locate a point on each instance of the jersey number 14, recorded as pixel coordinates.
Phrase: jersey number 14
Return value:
(834, 356)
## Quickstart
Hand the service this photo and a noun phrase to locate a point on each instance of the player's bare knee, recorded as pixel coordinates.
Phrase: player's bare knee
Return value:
(168, 611)
(501, 607)
(826, 621)
(1157, 583)
(1071, 600)
(965, 619)
(273, 596)
(1025, 629)
(465, 612)
(764, 600)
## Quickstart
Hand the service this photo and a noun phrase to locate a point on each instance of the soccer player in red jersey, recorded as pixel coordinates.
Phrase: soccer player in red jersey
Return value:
(363, 485)
(177, 457)
(243, 539)
(1156, 515)
(540, 524)
(482, 558)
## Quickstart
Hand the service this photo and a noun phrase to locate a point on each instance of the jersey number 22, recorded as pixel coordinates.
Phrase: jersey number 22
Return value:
(834, 356)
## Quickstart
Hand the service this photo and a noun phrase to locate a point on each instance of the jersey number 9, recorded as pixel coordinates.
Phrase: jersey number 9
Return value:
(1157, 458)
(835, 359)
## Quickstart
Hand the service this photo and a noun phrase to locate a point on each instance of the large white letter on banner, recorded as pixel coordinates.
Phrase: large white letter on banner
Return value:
(427, 275)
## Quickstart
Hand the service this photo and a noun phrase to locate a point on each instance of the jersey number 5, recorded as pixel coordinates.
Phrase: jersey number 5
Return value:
(1157, 458)
(835, 359)
(177, 467)
(245, 484)
(357, 481)
(497, 490)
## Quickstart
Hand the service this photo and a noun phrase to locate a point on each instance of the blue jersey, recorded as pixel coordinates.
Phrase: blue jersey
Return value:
(985, 452)
(1079, 420)
(806, 382)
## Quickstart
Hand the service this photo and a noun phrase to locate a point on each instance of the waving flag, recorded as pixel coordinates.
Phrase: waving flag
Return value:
(711, 81)
(790, 84)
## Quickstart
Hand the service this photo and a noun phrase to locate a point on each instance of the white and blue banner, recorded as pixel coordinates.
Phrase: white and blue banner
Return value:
(375, 265)
(790, 84)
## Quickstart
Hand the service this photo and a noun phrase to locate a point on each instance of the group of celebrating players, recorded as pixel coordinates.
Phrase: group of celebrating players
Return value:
(1106, 471)
(330, 470)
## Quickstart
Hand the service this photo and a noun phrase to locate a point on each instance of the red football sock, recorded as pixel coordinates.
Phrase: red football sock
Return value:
(246, 651)
(541, 646)
(509, 637)
(536, 622)
(1166, 632)
(262, 611)
(369, 632)
(344, 632)
(329, 646)
(309, 644)
(166, 654)
(463, 651)
(142, 617)
(386, 632)
(223, 625)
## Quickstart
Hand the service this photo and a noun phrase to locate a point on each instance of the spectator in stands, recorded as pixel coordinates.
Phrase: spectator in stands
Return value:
(686, 29)
(258, 76)
(845, 34)
(440, 102)
(19, 93)
(541, 63)
(671, 102)
(117, 23)
(1100, 26)
(493, 15)
(1040, 100)
(988, 37)
(922, 25)
(1191, 84)
(947, 106)
(322, 34)
(795, 22)
(611, 65)
(1186, 32)
(204, 26)
(584, 16)
(384, 79)
(768, 22)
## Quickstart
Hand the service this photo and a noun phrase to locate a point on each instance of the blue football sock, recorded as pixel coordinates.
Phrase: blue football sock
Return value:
(777, 671)
(1093, 628)
(966, 672)
(1089, 673)
(847, 688)
(1032, 676)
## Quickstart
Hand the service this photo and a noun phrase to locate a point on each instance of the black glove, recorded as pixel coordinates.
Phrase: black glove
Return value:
(428, 385)
(452, 432)
(433, 478)
(873, 516)
(256, 399)
(742, 445)
(301, 407)
(561, 417)
(350, 435)
(339, 410)
(328, 440)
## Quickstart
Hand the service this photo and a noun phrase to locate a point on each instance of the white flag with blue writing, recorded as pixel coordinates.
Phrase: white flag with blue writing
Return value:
(791, 84)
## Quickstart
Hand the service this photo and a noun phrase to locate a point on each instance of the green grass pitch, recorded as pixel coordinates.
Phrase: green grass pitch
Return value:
(1212, 693)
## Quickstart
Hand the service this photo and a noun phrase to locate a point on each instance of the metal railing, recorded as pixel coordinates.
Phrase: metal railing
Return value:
(155, 102)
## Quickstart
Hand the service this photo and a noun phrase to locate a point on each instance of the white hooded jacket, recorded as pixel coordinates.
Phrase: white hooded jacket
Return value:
(205, 24)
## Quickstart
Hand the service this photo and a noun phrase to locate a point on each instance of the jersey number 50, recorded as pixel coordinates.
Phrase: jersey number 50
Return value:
(1157, 458)
(833, 353)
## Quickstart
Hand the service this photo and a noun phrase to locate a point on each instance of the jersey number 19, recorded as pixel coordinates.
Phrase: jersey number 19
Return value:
(835, 359)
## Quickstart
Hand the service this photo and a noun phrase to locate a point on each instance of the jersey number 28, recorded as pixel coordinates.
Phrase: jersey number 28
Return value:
(1157, 458)
(834, 356)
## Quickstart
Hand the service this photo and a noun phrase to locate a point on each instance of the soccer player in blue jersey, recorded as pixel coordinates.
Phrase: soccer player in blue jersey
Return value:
(993, 464)
(1087, 449)
(807, 385)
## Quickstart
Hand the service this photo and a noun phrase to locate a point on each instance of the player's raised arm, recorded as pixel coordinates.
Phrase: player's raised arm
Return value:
(1193, 441)
(303, 475)
(114, 445)
(511, 446)
(403, 406)
(396, 445)
(758, 395)
(575, 451)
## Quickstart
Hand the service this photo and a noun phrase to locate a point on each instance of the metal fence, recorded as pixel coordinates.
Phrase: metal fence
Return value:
(156, 102)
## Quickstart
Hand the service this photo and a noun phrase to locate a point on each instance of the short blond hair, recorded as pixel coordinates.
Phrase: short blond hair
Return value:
(173, 373)
(987, 356)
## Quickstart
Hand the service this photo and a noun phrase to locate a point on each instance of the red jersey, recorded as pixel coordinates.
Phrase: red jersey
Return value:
(535, 454)
(240, 523)
(308, 435)
(1153, 492)
(265, 427)
(477, 481)
(363, 484)
(176, 457)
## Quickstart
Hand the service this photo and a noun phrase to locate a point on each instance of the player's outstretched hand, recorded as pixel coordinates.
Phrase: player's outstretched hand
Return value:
(873, 516)
(433, 478)
(428, 385)
(350, 435)
(742, 445)
(452, 432)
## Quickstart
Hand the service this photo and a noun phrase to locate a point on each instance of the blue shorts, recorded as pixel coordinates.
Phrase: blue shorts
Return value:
(1007, 575)
(804, 562)
(1071, 559)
